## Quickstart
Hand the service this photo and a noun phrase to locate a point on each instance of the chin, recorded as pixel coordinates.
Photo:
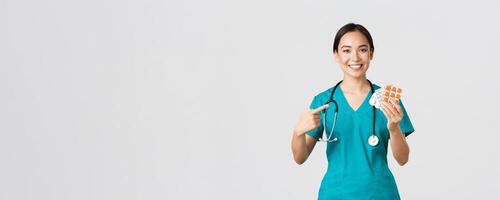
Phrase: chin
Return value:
(357, 75)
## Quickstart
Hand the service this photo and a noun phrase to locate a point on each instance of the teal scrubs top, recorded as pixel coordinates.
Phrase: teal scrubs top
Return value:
(356, 170)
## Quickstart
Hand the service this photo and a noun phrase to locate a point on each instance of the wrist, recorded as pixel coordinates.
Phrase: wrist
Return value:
(394, 128)
(297, 133)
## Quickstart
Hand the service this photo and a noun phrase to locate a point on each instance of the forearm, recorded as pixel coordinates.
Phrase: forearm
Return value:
(399, 146)
(299, 148)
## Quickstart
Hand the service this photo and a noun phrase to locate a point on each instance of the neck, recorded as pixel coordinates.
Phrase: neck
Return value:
(356, 85)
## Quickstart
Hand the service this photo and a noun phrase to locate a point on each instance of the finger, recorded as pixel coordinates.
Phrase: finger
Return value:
(399, 109)
(398, 115)
(388, 113)
(385, 112)
(319, 109)
(390, 109)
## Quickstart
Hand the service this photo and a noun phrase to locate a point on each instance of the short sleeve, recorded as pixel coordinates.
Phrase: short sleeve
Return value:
(405, 125)
(316, 133)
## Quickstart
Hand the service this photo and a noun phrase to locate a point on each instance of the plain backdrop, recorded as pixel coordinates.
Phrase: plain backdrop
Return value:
(193, 99)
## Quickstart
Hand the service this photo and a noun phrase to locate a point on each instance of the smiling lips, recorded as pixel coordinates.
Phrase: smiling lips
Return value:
(355, 66)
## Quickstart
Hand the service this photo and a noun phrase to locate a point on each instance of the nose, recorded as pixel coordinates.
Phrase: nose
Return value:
(355, 56)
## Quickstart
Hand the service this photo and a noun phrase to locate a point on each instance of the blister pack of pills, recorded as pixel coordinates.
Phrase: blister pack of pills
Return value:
(388, 94)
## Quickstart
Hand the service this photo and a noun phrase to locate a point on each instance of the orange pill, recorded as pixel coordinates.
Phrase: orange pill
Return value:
(393, 95)
(386, 94)
(388, 87)
(398, 96)
(399, 90)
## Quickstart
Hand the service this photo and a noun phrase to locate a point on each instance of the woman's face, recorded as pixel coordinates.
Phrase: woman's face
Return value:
(354, 54)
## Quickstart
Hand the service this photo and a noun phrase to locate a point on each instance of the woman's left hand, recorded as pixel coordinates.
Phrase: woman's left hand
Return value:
(393, 113)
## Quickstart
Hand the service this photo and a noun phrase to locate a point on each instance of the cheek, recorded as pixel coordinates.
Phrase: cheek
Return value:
(365, 56)
(343, 59)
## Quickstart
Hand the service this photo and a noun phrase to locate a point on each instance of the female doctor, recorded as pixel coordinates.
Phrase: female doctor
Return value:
(357, 150)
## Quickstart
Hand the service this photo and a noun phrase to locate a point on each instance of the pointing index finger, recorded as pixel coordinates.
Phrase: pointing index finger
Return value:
(319, 109)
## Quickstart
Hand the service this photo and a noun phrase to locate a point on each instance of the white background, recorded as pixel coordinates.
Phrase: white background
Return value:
(107, 99)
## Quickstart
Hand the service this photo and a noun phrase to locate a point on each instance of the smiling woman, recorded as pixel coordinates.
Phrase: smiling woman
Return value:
(356, 49)
(359, 134)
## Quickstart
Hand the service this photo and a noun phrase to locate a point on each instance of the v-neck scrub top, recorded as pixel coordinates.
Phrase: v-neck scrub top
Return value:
(356, 170)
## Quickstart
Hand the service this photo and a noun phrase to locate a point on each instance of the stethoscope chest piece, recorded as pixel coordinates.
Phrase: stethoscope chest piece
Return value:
(373, 140)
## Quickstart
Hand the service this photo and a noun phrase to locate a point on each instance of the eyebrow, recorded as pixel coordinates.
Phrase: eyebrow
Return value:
(347, 46)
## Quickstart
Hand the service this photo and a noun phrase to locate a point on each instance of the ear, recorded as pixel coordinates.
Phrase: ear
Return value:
(336, 55)
(371, 54)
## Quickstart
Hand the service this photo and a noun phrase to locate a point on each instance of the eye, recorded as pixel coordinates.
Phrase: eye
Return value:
(364, 50)
(346, 50)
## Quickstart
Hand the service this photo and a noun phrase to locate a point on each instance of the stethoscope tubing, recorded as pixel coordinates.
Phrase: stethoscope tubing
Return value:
(373, 138)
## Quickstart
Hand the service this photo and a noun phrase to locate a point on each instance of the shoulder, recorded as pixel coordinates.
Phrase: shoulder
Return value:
(375, 86)
(323, 96)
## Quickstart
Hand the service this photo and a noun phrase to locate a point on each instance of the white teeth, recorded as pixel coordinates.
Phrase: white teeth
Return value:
(355, 66)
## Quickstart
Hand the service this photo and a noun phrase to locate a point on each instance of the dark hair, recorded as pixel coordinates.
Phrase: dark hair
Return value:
(350, 28)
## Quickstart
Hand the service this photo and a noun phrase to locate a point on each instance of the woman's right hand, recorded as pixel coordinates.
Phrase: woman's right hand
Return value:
(309, 120)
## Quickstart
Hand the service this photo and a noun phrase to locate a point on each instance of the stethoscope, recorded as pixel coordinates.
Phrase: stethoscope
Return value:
(372, 140)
